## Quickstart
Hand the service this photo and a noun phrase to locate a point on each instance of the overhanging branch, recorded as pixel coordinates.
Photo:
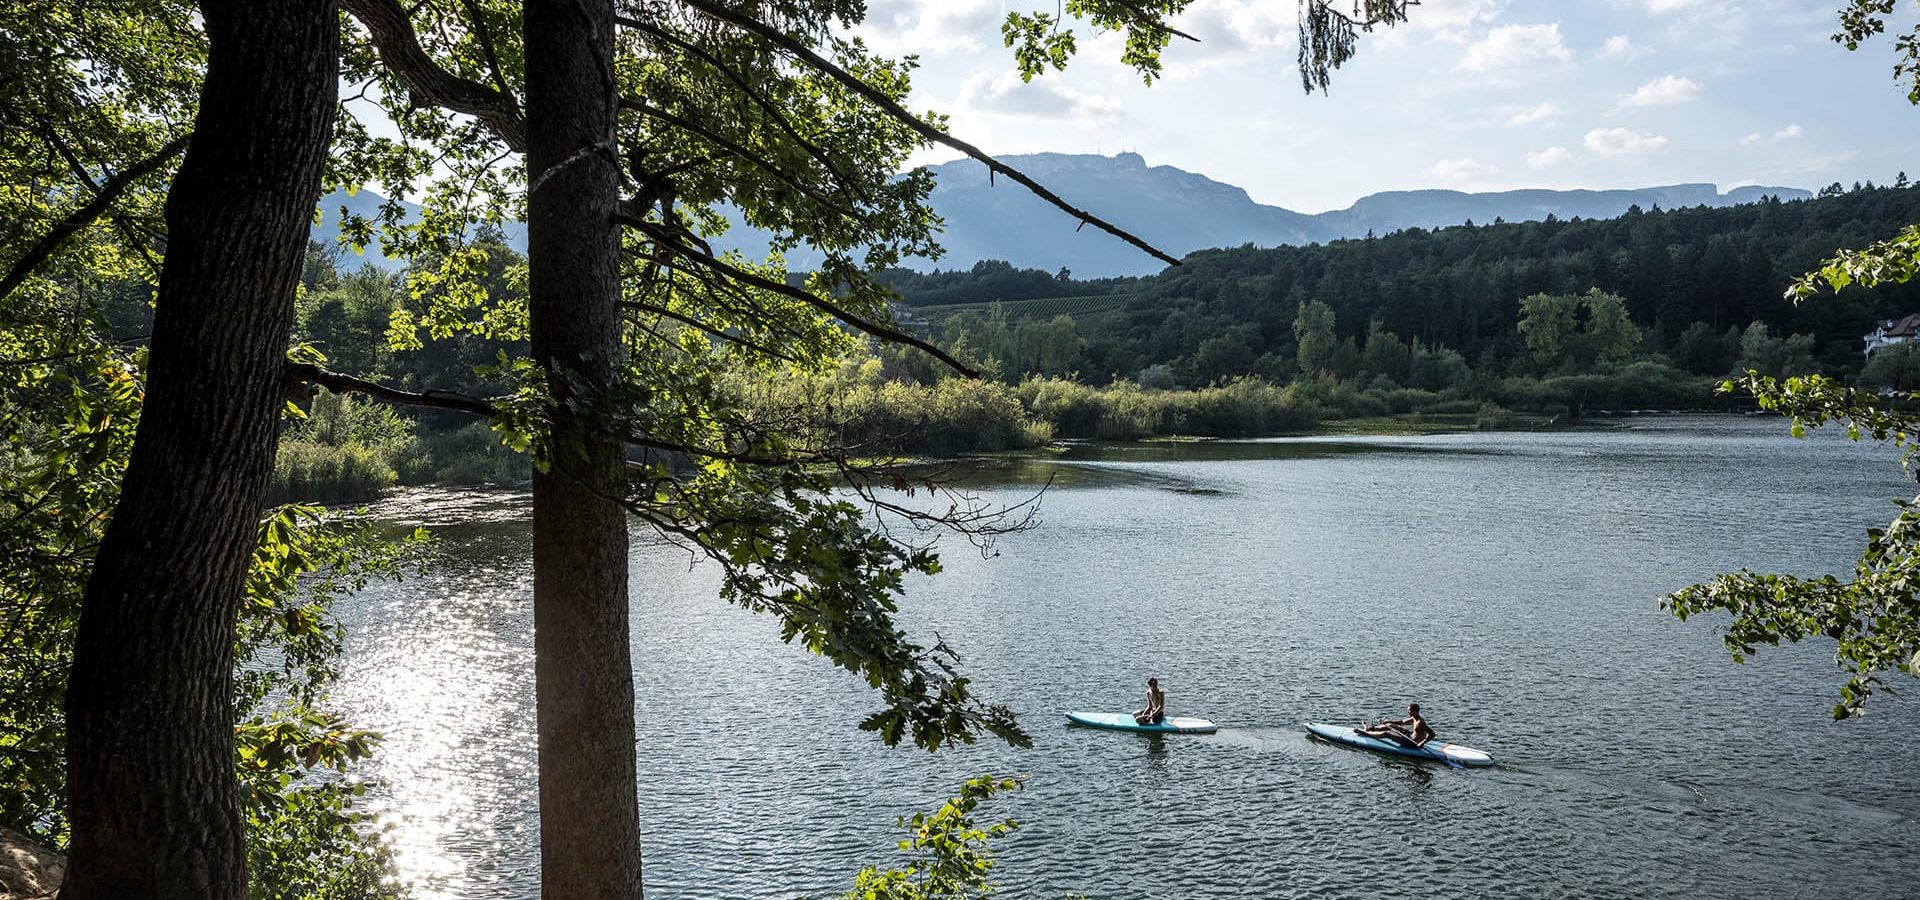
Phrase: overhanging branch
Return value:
(340, 383)
(392, 31)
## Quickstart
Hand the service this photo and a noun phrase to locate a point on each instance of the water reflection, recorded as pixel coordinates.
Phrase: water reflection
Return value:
(1156, 754)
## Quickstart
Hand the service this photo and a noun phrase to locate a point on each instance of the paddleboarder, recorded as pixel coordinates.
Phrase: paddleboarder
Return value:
(1412, 731)
(1156, 711)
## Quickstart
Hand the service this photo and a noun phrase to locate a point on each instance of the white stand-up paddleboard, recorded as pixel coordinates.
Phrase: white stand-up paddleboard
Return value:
(1125, 722)
(1438, 751)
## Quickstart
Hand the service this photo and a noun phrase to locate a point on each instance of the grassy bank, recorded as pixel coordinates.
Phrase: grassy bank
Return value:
(349, 450)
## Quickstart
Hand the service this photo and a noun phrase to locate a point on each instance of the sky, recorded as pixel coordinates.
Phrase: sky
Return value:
(1468, 94)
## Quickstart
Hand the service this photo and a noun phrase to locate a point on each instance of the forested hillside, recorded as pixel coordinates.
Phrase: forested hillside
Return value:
(1688, 277)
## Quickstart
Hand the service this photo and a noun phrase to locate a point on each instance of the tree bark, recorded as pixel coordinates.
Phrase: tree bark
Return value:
(589, 816)
(154, 803)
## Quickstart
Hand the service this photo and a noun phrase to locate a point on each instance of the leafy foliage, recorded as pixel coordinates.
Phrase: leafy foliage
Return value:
(1862, 19)
(1874, 617)
(950, 857)
(89, 91)
(1892, 261)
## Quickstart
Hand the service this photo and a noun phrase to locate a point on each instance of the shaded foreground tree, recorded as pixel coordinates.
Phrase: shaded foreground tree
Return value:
(152, 794)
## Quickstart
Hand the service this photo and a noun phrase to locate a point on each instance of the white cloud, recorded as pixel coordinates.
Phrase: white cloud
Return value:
(1552, 156)
(1237, 25)
(1663, 91)
(1660, 7)
(1620, 141)
(1461, 169)
(1512, 45)
(1441, 15)
(1785, 134)
(898, 27)
(1622, 48)
(1005, 95)
(1527, 115)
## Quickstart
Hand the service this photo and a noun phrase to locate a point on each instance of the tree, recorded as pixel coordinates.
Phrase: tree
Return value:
(1895, 368)
(1550, 324)
(1609, 331)
(151, 753)
(1699, 349)
(1385, 353)
(1777, 357)
(589, 811)
(800, 131)
(152, 792)
(1314, 336)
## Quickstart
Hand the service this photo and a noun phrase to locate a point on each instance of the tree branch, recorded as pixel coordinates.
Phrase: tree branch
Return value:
(306, 373)
(738, 152)
(86, 215)
(890, 335)
(886, 104)
(768, 106)
(339, 383)
(692, 322)
(392, 31)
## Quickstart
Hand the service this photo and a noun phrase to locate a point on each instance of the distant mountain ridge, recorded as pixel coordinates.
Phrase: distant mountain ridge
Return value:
(1178, 211)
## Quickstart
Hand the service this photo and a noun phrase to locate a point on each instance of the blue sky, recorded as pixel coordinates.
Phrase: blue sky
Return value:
(1470, 94)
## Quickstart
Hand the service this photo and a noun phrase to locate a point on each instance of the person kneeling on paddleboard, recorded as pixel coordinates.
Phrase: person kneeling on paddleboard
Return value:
(1412, 731)
(1156, 711)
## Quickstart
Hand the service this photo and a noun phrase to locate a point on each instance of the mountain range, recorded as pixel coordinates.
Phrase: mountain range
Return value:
(1177, 211)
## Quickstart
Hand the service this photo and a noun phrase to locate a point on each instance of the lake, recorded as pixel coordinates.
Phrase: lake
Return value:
(1508, 582)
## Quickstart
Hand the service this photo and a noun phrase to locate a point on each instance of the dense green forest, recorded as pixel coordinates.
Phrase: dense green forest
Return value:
(1468, 327)
(1694, 281)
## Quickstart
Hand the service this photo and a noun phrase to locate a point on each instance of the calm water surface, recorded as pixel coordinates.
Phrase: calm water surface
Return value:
(1507, 582)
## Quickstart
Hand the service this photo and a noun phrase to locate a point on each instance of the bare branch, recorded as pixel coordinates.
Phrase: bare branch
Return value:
(692, 322)
(772, 109)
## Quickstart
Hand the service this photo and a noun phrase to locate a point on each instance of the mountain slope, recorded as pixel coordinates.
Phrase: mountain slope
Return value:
(1180, 212)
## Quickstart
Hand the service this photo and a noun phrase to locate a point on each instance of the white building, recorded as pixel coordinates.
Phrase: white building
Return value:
(1893, 332)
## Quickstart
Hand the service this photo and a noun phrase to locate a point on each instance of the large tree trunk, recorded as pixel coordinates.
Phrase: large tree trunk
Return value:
(589, 817)
(150, 758)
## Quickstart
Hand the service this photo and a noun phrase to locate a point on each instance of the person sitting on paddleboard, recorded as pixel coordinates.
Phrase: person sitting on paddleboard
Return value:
(1156, 711)
(1412, 731)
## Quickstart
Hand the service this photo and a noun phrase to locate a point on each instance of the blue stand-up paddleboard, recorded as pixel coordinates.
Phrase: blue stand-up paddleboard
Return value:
(1125, 722)
(1438, 751)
